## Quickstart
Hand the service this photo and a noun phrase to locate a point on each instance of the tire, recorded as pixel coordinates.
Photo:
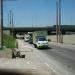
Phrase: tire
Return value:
(35, 46)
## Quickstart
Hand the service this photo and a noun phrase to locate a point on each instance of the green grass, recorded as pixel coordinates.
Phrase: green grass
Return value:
(8, 41)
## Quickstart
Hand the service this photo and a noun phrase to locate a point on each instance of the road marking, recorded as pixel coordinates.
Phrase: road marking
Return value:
(47, 64)
(28, 62)
(34, 68)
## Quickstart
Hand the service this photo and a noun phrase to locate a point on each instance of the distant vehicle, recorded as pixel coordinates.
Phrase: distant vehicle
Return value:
(30, 40)
(30, 37)
(18, 36)
(40, 39)
(26, 38)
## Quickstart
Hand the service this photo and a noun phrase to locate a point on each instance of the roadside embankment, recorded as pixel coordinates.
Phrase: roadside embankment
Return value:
(67, 39)
(6, 53)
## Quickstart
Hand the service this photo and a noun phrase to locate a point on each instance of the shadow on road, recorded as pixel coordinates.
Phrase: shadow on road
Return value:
(45, 48)
(8, 72)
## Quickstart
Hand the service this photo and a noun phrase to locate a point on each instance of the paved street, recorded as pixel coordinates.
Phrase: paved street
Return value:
(61, 57)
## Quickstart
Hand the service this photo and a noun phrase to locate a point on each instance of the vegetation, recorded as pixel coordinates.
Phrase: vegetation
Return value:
(9, 41)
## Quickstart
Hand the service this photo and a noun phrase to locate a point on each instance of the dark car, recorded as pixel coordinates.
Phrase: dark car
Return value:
(30, 40)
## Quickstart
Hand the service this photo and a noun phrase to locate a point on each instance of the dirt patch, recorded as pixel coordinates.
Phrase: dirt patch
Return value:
(6, 53)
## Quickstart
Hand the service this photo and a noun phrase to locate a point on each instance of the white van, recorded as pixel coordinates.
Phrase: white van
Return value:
(42, 42)
(26, 38)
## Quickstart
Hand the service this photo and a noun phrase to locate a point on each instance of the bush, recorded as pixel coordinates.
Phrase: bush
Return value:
(8, 41)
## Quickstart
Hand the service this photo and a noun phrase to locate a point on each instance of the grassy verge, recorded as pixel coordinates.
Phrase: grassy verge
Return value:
(8, 41)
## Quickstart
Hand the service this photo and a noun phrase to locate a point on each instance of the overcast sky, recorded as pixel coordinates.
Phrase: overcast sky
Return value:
(28, 13)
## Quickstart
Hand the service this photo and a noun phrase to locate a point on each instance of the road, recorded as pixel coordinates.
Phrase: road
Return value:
(56, 60)
(61, 60)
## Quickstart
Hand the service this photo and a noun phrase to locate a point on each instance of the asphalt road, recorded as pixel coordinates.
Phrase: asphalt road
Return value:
(63, 59)
(59, 59)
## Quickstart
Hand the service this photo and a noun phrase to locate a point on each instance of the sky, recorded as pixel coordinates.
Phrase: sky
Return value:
(36, 13)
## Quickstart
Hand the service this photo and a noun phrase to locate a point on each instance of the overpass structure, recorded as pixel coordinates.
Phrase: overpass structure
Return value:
(50, 29)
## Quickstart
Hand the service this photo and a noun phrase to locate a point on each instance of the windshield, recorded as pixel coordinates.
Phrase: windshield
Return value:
(42, 39)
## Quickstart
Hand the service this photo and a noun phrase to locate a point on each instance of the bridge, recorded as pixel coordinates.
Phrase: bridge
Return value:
(50, 29)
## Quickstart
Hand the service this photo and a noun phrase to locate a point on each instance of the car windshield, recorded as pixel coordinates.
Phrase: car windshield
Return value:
(42, 39)
(27, 37)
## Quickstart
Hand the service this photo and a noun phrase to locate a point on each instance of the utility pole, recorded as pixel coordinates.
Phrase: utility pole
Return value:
(1, 24)
(58, 26)
(12, 23)
(59, 9)
(10, 19)
(60, 33)
(57, 19)
(32, 21)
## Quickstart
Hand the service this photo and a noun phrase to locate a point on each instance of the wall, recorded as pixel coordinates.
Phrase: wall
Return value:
(70, 39)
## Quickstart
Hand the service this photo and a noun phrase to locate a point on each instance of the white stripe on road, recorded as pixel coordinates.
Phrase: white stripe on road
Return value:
(46, 64)
(28, 62)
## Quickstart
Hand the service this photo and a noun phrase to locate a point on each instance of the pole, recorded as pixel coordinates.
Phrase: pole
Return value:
(1, 23)
(10, 18)
(57, 19)
(60, 35)
(32, 21)
(10, 21)
(12, 24)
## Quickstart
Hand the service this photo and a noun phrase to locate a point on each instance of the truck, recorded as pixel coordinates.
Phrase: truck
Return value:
(40, 39)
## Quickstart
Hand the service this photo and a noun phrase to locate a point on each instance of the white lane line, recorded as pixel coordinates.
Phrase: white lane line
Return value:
(46, 64)
(28, 62)
(34, 67)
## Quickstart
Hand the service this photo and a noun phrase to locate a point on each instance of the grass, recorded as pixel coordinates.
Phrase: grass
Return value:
(8, 41)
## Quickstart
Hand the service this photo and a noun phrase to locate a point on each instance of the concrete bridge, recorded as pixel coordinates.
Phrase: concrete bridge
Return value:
(50, 29)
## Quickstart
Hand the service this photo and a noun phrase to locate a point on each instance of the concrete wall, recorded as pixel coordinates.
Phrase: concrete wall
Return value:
(70, 39)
